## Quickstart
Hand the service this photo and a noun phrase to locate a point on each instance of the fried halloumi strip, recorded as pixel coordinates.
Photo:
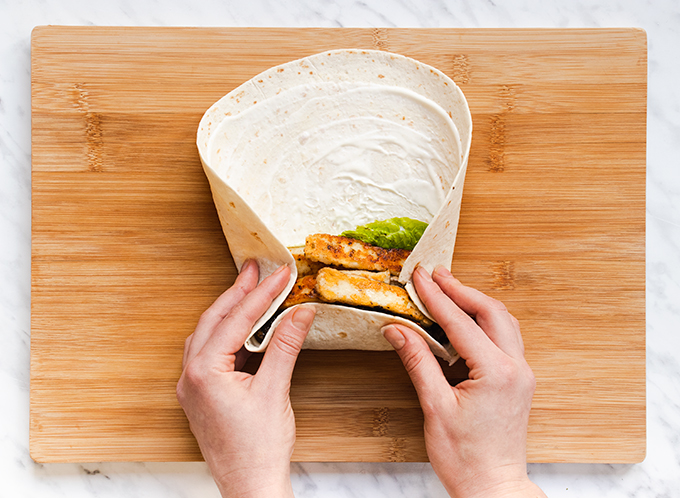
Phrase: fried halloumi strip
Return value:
(336, 250)
(304, 265)
(304, 291)
(379, 276)
(336, 286)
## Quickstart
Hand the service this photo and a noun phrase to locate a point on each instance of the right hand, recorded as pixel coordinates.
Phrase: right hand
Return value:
(475, 432)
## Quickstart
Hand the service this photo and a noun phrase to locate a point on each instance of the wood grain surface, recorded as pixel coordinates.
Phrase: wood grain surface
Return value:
(128, 251)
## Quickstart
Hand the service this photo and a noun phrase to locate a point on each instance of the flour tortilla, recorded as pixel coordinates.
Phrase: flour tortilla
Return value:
(328, 142)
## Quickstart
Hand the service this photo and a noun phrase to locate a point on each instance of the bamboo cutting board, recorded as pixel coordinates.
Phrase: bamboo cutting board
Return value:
(128, 251)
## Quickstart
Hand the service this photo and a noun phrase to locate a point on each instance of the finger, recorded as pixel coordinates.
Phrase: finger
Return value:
(245, 282)
(421, 365)
(187, 346)
(215, 314)
(490, 314)
(231, 333)
(466, 337)
(279, 360)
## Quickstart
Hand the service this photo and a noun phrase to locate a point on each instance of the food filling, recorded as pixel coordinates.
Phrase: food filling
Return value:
(344, 270)
(359, 268)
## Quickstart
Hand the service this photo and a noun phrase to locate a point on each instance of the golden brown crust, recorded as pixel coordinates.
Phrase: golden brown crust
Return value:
(337, 269)
(336, 250)
(380, 276)
(344, 287)
(304, 291)
(304, 265)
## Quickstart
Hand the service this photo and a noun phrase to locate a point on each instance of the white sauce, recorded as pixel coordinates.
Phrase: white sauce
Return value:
(327, 157)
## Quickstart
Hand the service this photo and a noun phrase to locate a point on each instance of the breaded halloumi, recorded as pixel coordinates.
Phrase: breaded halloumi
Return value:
(304, 265)
(379, 276)
(304, 291)
(336, 250)
(335, 286)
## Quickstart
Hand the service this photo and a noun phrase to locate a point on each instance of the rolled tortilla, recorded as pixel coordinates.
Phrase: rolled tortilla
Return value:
(329, 142)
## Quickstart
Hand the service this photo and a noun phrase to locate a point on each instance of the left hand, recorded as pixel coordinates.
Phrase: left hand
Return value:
(244, 424)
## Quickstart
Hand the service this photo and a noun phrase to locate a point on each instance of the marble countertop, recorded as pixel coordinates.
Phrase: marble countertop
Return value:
(658, 475)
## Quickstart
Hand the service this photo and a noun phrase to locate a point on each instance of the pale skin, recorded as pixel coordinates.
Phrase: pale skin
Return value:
(243, 422)
(475, 432)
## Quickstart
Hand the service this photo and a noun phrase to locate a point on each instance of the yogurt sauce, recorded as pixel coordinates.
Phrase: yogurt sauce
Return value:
(326, 157)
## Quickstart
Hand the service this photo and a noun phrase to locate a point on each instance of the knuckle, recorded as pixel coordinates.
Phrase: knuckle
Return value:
(240, 310)
(413, 359)
(287, 341)
(194, 376)
(505, 373)
(508, 375)
(207, 316)
(238, 290)
(530, 379)
(497, 306)
(180, 392)
(515, 376)
(225, 303)
(237, 309)
(454, 320)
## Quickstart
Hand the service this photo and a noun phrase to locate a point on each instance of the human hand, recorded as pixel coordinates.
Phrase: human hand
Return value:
(475, 432)
(244, 424)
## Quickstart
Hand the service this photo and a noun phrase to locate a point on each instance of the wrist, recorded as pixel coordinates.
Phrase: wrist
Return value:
(525, 489)
(511, 488)
(504, 481)
(256, 483)
(282, 490)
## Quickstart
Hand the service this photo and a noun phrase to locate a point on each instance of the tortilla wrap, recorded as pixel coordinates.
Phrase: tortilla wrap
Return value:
(329, 142)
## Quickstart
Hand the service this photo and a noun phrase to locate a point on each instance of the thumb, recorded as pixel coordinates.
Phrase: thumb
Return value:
(279, 360)
(420, 363)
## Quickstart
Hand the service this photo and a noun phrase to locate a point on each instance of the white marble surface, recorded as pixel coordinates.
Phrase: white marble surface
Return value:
(658, 475)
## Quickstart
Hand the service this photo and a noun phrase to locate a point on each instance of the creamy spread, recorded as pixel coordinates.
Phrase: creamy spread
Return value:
(329, 142)
(326, 157)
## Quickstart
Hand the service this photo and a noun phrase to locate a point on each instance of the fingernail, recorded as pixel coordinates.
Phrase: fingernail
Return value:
(423, 273)
(247, 264)
(442, 271)
(279, 269)
(303, 317)
(394, 336)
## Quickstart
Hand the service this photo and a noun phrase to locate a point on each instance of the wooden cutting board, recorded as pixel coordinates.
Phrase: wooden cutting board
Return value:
(128, 251)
